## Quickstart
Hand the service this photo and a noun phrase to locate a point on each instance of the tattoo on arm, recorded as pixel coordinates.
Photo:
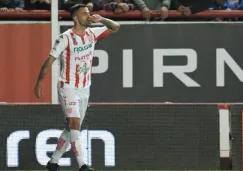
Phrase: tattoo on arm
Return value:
(44, 70)
(112, 25)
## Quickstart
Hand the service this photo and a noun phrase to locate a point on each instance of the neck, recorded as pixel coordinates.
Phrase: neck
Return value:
(79, 29)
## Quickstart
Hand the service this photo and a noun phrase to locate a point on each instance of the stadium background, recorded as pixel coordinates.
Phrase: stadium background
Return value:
(141, 116)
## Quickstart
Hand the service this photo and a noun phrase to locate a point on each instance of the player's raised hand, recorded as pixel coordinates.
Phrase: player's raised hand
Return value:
(96, 18)
(38, 90)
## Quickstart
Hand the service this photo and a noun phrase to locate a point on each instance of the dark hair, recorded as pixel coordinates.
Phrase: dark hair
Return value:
(75, 8)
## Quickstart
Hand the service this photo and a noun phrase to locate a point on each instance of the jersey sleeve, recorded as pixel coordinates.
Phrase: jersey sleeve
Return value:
(60, 45)
(100, 32)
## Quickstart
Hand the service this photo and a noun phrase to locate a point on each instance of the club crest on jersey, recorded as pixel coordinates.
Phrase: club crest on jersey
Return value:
(74, 39)
(90, 38)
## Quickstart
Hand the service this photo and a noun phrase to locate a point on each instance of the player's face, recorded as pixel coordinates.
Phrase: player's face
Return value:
(83, 17)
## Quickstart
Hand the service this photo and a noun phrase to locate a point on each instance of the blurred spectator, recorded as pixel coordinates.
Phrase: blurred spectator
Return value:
(90, 5)
(235, 2)
(223, 5)
(161, 5)
(93, 5)
(118, 5)
(188, 7)
(6, 5)
(38, 4)
(41, 1)
(240, 6)
(42, 4)
(19, 5)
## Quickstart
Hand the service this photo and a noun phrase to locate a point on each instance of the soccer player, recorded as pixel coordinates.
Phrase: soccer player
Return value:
(75, 48)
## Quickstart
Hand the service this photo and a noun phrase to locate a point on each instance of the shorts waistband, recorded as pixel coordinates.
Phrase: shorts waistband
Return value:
(63, 84)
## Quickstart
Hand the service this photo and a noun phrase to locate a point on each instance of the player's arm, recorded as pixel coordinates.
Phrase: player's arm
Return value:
(59, 47)
(110, 24)
(46, 67)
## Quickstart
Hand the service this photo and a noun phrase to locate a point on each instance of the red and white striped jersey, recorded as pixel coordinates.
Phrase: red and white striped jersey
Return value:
(76, 55)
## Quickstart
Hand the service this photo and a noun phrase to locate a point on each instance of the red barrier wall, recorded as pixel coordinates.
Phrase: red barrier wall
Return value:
(23, 47)
(46, 14)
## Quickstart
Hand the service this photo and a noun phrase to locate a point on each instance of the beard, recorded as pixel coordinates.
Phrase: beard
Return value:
(85, 23)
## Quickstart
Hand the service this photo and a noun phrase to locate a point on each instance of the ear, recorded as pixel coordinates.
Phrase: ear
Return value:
(75, 18)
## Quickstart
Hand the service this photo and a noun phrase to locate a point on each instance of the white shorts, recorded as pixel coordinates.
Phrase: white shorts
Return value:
(74, 102)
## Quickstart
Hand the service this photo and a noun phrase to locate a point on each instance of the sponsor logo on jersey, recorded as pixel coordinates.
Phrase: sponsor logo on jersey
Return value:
(82, 48)
(84, 57)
